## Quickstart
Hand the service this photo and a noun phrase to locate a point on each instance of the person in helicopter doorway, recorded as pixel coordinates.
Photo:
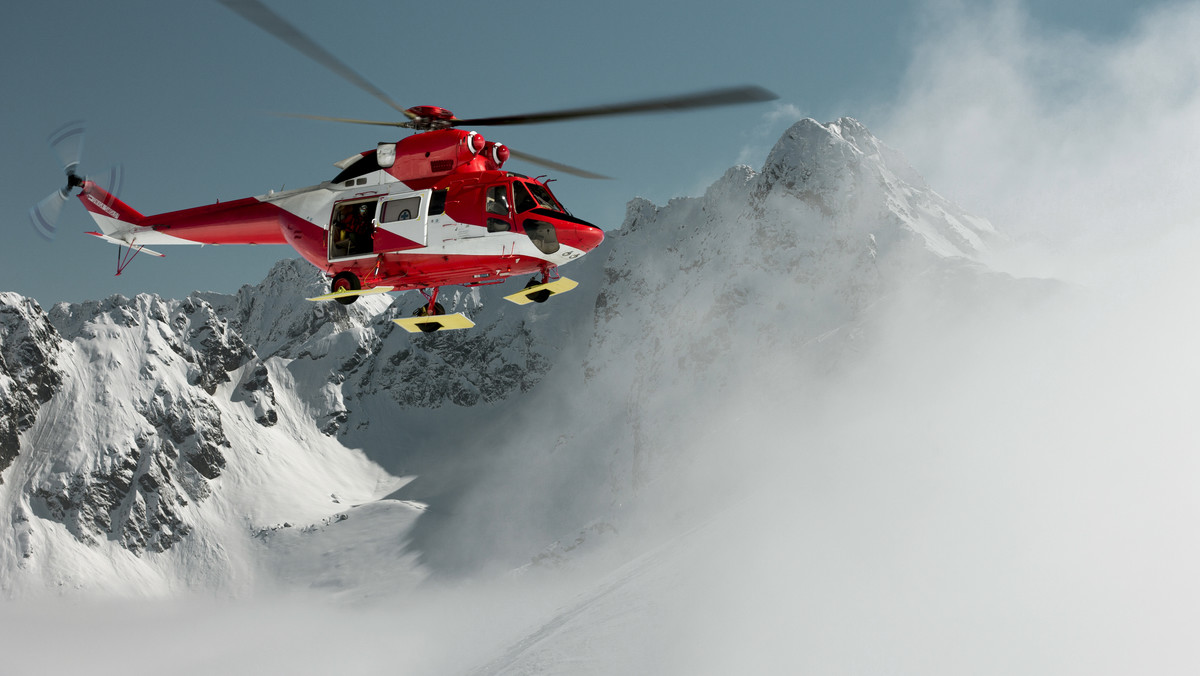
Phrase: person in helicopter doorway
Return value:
(355, 231)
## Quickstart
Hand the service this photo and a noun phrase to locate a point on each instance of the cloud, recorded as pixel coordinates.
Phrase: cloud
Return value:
(1070, 139)
(1008, 492)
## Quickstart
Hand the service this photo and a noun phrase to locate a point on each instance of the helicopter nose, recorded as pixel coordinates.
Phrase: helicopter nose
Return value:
(583, 236)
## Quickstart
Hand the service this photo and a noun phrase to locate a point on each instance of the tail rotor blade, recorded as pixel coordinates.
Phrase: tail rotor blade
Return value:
(44, 215)
(67, 143)
(111, 179)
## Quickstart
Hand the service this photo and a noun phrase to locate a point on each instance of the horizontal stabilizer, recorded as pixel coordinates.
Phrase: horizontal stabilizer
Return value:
(431, 323)
(540, 292)
(353, 292)
(132, 244)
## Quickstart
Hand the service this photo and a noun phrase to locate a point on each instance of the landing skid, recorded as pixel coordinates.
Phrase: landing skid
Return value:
(538, 293)
(431, 323)
(353, 292)
(432, 317)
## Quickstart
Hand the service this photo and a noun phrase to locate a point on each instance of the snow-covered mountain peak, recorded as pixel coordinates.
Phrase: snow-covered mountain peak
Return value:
(842, 170)
(276, 317)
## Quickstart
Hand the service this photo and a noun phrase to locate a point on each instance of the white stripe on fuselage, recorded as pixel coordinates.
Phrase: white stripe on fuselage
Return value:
(444, 236)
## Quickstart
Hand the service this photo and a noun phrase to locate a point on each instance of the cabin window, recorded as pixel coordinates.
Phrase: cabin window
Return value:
(405, 209)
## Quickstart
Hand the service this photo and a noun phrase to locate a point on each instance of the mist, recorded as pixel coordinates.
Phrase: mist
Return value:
(1013, 490)
(1082, 150)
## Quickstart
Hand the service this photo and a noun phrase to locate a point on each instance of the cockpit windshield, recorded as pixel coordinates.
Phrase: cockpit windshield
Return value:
(532, 196)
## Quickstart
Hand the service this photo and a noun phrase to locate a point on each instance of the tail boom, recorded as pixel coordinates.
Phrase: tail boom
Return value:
(243, 221)
(110, 213)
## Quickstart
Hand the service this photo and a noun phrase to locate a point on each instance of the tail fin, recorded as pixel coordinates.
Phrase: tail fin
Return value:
(109, 212)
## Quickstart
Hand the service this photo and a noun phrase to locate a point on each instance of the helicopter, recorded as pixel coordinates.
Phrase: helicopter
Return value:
(436, 208)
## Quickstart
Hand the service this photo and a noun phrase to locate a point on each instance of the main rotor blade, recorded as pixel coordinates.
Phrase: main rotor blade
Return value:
(557, 166)
(705, 99)
(344, 119)
(260, 15)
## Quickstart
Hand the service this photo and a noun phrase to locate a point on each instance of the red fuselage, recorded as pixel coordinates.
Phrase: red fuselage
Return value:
(433, 209)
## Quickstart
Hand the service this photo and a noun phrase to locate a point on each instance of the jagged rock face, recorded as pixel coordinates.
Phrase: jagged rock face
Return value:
(135, 496)
(257, 391)
(188, 426)
(29, 348)
(216, 348)
(459, 369)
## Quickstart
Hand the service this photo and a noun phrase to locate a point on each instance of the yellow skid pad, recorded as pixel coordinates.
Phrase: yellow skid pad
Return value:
(433, 323)
(359, 292)
(525, 296)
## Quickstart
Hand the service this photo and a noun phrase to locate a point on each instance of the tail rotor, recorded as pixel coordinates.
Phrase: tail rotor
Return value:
(67, 143)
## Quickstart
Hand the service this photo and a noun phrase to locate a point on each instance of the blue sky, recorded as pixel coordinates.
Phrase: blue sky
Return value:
(181, 94)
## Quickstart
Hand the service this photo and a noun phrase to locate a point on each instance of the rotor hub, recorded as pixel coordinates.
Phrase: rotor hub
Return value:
(430, 117)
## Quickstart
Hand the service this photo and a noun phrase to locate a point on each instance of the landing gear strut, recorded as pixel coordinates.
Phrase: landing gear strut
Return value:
(541, 287)
(431, 309)
(432, 316)
(345, 281)
(543, 295)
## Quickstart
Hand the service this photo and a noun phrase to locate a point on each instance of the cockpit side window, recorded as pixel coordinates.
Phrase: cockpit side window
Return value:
(497, 204)
(497, 200)
(524, 200)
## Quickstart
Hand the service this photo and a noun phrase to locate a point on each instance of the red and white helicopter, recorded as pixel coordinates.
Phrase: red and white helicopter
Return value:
(434, 209)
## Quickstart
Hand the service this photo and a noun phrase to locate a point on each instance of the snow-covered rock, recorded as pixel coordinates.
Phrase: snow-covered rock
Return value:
(29, 348)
